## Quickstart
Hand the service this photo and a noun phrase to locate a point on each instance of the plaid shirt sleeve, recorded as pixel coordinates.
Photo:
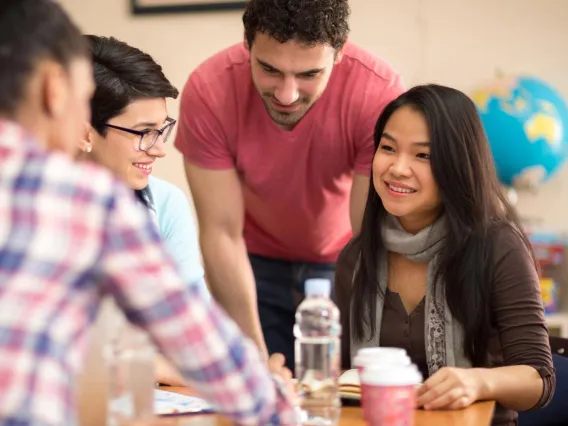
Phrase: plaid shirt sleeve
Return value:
(198, 337)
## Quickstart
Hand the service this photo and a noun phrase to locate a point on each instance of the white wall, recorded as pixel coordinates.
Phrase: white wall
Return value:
(453, 42)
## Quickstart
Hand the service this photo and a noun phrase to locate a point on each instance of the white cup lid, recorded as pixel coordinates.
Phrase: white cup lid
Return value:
(381, 350)
(391, 375)
(381, 357)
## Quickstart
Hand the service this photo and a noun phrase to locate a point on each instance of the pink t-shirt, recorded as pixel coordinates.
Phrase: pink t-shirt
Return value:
(297, 183)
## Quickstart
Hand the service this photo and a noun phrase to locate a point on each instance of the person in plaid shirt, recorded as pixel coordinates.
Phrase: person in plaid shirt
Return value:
(70, 234)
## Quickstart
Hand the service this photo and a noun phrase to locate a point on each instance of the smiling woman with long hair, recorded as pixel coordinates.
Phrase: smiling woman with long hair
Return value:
(441, 266)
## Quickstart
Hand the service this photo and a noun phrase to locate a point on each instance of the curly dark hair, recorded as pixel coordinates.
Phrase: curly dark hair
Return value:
(309, 22)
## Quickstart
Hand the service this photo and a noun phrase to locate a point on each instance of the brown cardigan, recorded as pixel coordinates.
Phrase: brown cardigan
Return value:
(519, 335)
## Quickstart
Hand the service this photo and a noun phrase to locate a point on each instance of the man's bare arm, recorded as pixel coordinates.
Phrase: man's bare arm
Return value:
(218, 199)
(358, 200)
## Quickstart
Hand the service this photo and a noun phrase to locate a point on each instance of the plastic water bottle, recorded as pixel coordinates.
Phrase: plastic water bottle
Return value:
(317, 352)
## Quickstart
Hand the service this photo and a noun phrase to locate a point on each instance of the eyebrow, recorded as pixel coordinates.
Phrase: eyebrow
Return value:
(267, 65)
(392, 139)
(148, 124)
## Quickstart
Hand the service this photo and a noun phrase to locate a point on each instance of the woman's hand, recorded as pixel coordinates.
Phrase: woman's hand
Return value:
(450, 389)
(276, 365)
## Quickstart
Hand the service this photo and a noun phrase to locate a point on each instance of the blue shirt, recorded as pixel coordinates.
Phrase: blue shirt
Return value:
(177, 227)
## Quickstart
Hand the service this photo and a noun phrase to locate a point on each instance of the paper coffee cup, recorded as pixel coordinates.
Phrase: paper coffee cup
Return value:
(381, 357)
(390, 394)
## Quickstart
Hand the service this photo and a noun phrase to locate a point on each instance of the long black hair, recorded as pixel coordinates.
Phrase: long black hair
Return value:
(474, 206)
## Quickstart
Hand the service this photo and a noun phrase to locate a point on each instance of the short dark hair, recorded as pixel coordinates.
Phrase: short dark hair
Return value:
(123, 74)
(308, 22)
(30, 31)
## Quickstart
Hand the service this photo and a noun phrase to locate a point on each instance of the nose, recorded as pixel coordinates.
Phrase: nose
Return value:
(157, 150)
(287, 93)
(401, 167)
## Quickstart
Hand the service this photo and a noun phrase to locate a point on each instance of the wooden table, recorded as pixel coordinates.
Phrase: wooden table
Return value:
(478, 414)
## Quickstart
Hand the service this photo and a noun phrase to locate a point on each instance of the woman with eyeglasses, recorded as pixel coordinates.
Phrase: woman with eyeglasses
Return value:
(129, 128)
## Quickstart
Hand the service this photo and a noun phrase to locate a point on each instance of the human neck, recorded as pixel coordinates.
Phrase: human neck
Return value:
(33, 123)
(414, 225)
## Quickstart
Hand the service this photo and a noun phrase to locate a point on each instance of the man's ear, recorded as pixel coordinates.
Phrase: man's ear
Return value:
(339, 54)
(245, 42)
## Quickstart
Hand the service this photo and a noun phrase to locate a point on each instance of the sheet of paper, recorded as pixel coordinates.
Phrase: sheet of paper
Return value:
(168, 403)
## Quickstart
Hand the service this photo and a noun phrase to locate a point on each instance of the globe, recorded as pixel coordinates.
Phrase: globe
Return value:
(526, 121)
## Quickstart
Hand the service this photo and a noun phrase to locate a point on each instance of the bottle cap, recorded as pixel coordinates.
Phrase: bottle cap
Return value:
(317, 287)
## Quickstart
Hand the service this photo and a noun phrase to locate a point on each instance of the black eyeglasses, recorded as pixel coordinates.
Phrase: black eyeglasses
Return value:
(149, 137)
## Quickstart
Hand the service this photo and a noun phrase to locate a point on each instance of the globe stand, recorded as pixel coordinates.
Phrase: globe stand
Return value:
(512, 196)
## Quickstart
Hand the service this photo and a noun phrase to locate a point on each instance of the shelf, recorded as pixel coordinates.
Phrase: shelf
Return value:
(558, 321)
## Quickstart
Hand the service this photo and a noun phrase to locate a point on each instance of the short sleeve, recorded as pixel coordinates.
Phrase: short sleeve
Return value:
(178, 229)
(375, 100)
(201, 135)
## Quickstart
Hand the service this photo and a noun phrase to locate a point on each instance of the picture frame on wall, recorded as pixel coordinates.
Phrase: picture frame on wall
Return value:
(149, 7)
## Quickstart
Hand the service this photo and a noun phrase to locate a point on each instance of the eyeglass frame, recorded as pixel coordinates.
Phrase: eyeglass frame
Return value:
(171, 122)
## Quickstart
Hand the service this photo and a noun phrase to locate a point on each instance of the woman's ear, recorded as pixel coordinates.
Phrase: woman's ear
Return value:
(85, 144)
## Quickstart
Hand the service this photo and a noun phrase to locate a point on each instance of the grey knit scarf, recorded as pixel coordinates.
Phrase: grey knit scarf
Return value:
(443, 334)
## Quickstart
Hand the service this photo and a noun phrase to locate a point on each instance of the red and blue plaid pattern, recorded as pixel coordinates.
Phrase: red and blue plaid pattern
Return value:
(71, 234)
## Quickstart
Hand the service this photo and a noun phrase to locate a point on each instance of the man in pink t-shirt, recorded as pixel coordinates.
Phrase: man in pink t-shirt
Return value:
(277, 135)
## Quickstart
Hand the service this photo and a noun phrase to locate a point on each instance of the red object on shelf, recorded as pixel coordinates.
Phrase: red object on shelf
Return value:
(548, 254)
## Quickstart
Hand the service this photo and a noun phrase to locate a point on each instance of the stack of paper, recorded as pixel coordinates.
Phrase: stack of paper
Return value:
(349, 385)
